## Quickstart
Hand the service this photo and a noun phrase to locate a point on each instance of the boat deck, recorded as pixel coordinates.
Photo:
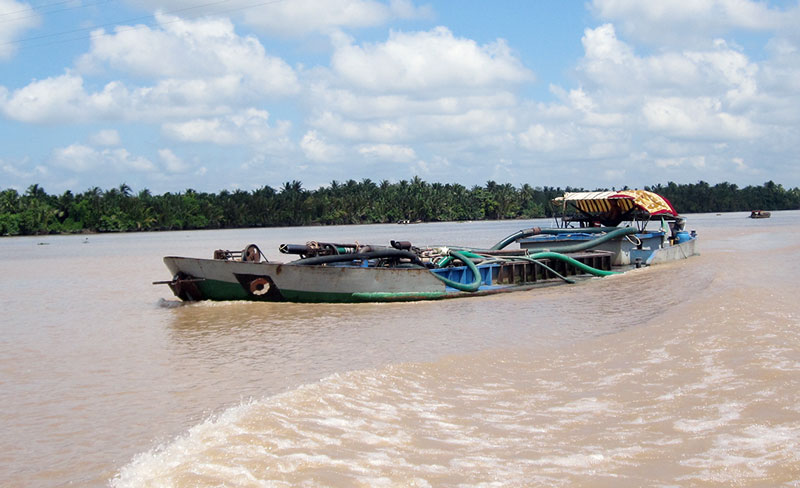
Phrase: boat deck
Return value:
(529, 272)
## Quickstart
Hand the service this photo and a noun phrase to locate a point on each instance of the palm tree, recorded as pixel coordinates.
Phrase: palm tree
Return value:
(36, 192)
(9, 201)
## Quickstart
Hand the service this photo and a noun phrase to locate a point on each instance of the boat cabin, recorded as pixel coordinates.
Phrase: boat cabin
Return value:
(611, 208)
(587, 215)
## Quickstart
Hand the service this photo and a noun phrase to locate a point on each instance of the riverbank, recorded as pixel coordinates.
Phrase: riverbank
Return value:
(120, 210)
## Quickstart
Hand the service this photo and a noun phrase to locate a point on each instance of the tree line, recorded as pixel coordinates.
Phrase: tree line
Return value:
(351, 202)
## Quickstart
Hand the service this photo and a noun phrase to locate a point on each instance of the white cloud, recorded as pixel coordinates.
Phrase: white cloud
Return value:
(389, 100)
(388, 152)
(692, 94)
(427, 62)
(614, 175)
(613, 64)
(17, 18)
(405, 9)
(199, 130)
(317, 149)
(199, 68)
(781, 73)
(368, 107)
(14, 170)
(77, 157)
(574, 141)
(686, 111)
(701, 118)
(250, 126)
(180, 52)
(172, 163)
(64, 99)
(602, 44)
(299, 18)
(692, 104)
(697, 162)
(57, 99)
(730, 70)
(540, 138)
(80, 158)
(684, 23)
(739, 164)
(105, 137)
(474, 122)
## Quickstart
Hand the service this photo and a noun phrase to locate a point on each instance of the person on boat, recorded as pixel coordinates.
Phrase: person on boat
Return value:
(613, 217)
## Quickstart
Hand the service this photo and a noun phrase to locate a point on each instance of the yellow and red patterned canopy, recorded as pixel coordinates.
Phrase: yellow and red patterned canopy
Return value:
(604, 201)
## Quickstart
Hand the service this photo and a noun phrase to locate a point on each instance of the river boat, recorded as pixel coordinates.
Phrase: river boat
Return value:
(760, 214)
(589, 239)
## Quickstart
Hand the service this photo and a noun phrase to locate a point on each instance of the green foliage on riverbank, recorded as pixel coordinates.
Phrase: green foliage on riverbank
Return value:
(351, 202)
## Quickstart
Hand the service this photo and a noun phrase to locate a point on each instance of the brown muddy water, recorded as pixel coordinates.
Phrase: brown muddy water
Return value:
(684, 374)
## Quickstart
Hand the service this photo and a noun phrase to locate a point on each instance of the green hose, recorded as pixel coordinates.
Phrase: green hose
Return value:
(444, 262)
(572, 261)
(610, 233)
(536, 231)
(623, 231)
(472, 287)
(555, 253)
(539, 263)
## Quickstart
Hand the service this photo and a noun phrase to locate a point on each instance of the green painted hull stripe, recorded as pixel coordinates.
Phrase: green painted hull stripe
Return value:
(326, 297)
(384, 296)
(224, 290)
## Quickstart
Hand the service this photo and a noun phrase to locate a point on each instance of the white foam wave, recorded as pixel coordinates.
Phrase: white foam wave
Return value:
(726, 413)
(749, 453)
(164, 303)
(162, 461)
(572, 460)
(589, 405)
(635, 398)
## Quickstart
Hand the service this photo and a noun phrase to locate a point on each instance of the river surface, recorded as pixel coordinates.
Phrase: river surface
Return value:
(684, 374)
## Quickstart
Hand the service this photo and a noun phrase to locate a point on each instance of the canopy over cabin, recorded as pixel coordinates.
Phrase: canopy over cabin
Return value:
(610, 208)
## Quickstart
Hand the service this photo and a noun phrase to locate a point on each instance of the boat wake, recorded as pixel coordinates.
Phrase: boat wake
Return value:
(656, 377)
(664, 403)
(164, 303)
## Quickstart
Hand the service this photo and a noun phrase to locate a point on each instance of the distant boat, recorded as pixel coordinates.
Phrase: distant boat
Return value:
(759, 214)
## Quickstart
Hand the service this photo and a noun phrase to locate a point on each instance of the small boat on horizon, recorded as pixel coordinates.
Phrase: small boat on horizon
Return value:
(760, 214)
(587, 241)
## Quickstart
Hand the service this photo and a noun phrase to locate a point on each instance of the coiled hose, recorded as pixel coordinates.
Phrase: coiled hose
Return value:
(471, 287)
(533, 258)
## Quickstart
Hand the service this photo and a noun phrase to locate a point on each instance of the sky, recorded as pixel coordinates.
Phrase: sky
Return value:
(168, 95)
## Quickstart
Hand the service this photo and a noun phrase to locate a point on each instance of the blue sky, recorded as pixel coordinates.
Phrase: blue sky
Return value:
(225, 94)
